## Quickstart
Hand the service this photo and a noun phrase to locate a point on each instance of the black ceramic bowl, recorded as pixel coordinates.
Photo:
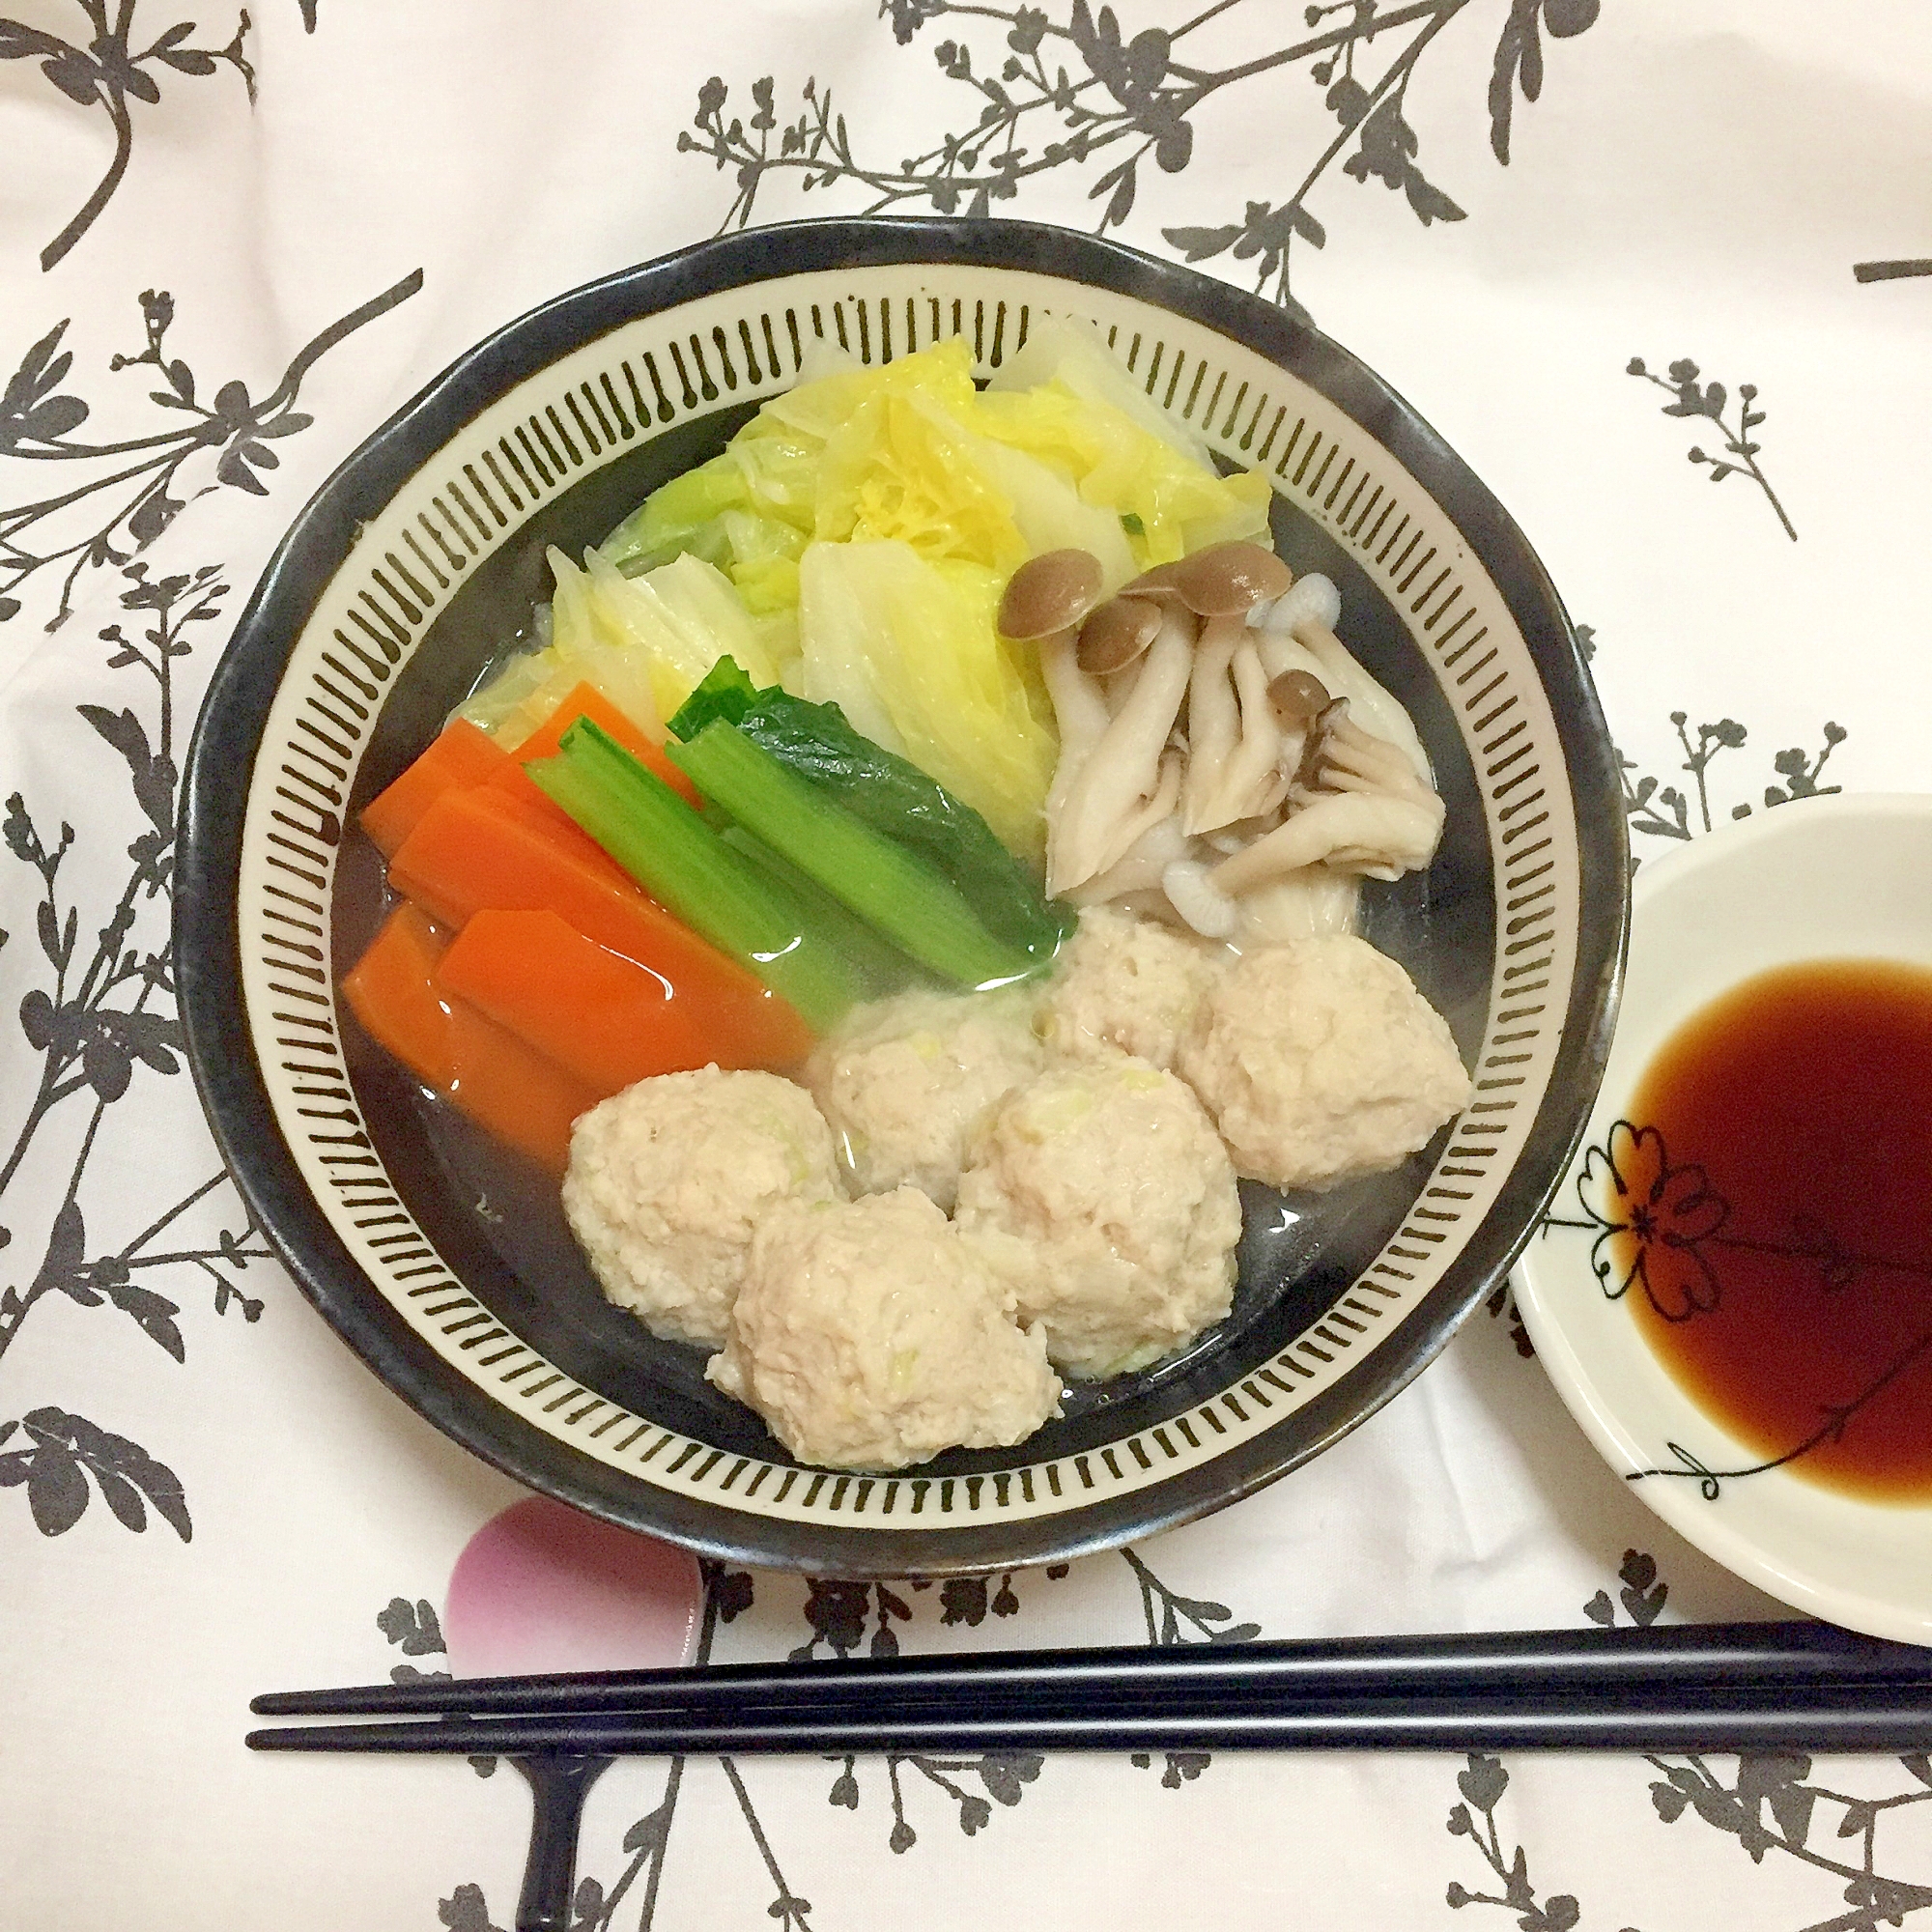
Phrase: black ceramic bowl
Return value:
(448, 1269)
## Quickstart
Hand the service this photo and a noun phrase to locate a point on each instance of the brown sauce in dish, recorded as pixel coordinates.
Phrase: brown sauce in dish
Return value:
(1788, 1287)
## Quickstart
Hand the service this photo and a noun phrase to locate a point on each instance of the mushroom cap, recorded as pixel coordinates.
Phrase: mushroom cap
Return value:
(1298, 695)
(1049, 593)
(1117, 632)
(1226, 579)
(1315, 746)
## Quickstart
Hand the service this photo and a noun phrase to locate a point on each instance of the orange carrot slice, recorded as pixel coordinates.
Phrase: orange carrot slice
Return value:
(607, 1019)
(500, 1082)
(587, 701)
(480, 851)
(461, 755)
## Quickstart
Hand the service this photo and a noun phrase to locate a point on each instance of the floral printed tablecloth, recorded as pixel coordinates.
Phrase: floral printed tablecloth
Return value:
(1654, 270)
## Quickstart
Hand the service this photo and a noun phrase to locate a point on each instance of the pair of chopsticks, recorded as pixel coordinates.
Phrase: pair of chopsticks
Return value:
(1737, 1687)
(1716, 1687)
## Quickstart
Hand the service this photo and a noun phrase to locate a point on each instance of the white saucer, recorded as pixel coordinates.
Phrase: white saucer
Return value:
(1836, 877)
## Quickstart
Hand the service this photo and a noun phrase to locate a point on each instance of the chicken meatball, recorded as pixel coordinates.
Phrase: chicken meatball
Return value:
(668, 1180)
(1320, 1062)
(1127, 983)
(905, 1079)
(869, 1335)
(1102, 1193)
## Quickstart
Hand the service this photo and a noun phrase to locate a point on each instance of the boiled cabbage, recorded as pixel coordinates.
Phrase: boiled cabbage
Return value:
(1060, 348)
(882, 509)
(906, 648)
(643, 642)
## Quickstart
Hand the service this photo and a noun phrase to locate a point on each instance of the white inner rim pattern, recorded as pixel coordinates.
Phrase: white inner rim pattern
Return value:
(651, 375)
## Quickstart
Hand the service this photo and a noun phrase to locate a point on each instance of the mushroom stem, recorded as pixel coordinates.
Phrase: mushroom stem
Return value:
(1139, 870)
(1353, 759)
(1213, 722)
(1166, 795)
(1244, 780)
(1211, 914)
(1080, 710)
(1376, 708)
(1123, 767)
(1299, 905)
(1352, 830)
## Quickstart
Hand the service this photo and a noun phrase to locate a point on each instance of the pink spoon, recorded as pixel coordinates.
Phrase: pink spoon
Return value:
(544, 1588)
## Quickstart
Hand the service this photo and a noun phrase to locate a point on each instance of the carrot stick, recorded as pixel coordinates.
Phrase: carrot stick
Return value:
(479, 850)
(398, 992)
(605, 1018)
(461, 755)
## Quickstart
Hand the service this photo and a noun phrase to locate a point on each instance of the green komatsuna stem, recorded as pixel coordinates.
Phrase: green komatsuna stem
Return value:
(882, 966)
(892, 795)
(891, 889)
(684, 864)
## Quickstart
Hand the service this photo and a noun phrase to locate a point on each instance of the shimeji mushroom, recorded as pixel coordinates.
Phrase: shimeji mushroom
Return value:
(1233, 773)
(1297, 631)
(1226, 579)
(1212, 913)
(1355, 805)
(1117, 632)
(1046, 600)
(1306, 904)
(1135, 877)
(1213, 722)
(1123, 770)
(1157, 809)
(1205, 701)
(1132, 779)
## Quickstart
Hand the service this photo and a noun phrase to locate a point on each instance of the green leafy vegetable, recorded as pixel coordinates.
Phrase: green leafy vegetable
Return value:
(879, 963)
(724, 692)
(891, 794)
(893, 889)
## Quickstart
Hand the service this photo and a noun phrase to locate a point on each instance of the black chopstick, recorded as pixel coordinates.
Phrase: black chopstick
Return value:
(1518, 1665)
(1813, 1718)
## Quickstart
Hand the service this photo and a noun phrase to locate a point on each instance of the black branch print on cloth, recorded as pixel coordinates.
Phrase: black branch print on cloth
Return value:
(1501, 1307)
(1642, 1596)
(1892, 271)
(1662, 810)
(1173, 1619)
(132, 487)
(1483, 1783)
(1660, 1227)
(99, 1025)
(64, 1450)
(103, 68)
(1774, 1806)
(1697, 400)
(843, 1616)
(416, 1631)
(1071, 94)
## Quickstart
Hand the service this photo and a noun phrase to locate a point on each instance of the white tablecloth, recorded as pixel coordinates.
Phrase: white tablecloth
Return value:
(206, 1495)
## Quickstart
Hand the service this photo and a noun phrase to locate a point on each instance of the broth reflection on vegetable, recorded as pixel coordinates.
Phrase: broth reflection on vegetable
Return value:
(910, 879)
